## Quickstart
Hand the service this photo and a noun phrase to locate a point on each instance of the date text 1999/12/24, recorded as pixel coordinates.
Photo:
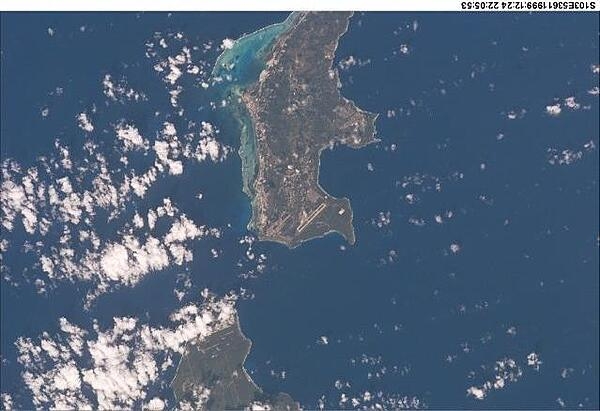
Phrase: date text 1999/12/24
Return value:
(527, 5)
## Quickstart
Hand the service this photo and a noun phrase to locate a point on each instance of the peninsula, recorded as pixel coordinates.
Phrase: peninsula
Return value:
(296, 110)
(211, 375)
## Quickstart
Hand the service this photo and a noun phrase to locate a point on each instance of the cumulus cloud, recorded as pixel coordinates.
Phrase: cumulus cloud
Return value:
(177, 68)
(352, 397)
(130, 136)
(571, 103)
(383, 219)
(84, 122)
(119, 91)
(155, 404)
(567, 156)
(227, 44)
(171, 149)
(7, 401)
(553, 110)
(113, 368)
(506, 371)
(58, 201)
(346, 63)
(533, 360)
(124, 261)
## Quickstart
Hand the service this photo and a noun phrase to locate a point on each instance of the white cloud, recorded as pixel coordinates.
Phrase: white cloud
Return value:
(174, 74)
(506, 371)
(554, 110)
(346, 63)
(383, 219)
(124, 261)
(155, 404)
(119, 91)
(569, 156)
(200, 396)
(138, 221)
(455, 248)
(130, 136)
(209, 148)
(533, 360)
(61, 198)
(117, 365)
(478, 393)
(76, 335)
(141, 183)
(323, 340)
(14, 201)
(175, 167)
(227, 44)
(129, 261)
(7, 401)
(571, 103)
(84, 122)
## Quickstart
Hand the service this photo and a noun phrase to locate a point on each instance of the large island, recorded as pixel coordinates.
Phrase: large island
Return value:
(296, 110)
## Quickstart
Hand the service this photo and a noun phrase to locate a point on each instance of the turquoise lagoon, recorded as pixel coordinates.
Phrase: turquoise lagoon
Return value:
(236, 69)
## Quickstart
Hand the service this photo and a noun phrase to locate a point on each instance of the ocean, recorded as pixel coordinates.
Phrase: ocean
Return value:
(475, 243)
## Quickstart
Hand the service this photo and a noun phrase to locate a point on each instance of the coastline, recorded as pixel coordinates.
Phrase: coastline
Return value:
(238, 79)
(234, 82)
(349, 237)
(244, 337)
(249, 36)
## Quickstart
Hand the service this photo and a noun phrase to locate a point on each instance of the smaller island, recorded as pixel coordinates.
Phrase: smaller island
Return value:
(290, 112)
(213, 367)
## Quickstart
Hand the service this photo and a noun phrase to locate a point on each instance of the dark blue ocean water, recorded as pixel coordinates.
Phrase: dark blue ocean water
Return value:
(527, 229)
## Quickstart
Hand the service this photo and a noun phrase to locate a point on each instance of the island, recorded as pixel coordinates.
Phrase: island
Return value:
(211, 375)
(295, 110)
